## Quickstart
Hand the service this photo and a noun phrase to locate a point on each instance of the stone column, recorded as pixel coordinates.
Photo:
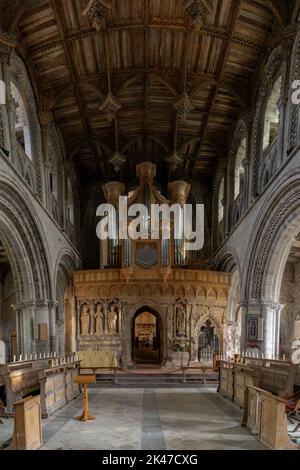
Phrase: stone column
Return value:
(271, 328)
(126, 335)
(246, 166)
(244, 310)
(41, 317)
(281, 130)
(267, 315)
(52, 325)
(25, 331)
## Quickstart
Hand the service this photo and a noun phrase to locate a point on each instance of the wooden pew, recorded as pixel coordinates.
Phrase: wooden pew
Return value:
(53, 382)
(265, 414)
(275, 376)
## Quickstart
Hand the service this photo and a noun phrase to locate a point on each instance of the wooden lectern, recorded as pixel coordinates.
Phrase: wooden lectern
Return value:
(28, 425)
(85, 380)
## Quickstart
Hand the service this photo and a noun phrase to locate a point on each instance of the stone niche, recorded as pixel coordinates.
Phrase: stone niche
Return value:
(186, 303)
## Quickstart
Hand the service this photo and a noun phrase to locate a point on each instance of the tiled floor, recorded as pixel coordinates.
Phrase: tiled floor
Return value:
(150, 419)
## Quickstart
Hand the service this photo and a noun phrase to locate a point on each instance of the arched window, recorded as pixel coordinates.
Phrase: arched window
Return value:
(70, 202)
(272, 115)
(239, 171)
(21, 122)
(221, 200)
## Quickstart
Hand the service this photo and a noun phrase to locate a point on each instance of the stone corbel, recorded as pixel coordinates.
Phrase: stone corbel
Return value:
(96, 11)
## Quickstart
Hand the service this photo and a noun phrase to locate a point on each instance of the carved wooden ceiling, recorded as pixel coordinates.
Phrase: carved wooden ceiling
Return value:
(129, 80)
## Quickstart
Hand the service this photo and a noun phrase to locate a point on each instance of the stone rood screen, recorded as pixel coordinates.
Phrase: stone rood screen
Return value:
(146, 229)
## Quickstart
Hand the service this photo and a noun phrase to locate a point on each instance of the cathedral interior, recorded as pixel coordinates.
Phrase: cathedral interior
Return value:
(186, 103)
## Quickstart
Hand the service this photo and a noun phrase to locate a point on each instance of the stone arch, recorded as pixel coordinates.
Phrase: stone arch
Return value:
(201, 292)
(273, 236)
(269, 74)
(190, 292)
(25, 248)
(209, 316)
(17, 74)
(128, 319)
(227, 261)
(159, 326)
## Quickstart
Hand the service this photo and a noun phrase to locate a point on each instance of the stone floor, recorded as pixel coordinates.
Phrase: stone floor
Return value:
(148, 419)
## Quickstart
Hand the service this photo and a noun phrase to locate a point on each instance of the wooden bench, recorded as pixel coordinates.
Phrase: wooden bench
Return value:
(265, 415)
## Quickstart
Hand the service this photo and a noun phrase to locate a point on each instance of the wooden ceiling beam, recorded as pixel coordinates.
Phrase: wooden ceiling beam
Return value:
(282, 10)
(217, 32)
(56, 5)
(235, 11)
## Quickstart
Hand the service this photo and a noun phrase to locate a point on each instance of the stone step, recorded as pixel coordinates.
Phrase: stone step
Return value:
(155, 379)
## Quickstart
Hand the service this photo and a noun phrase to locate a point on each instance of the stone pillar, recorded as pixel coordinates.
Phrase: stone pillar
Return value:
(271, 328)
(126, 335)
(266, 317)
(282, 103)
(24, 321)
(246, 166)
(42, 327)
(244, 310)
(52, 325)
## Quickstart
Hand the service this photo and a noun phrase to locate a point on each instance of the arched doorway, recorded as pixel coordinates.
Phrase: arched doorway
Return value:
(208, 341)
(146, 337)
